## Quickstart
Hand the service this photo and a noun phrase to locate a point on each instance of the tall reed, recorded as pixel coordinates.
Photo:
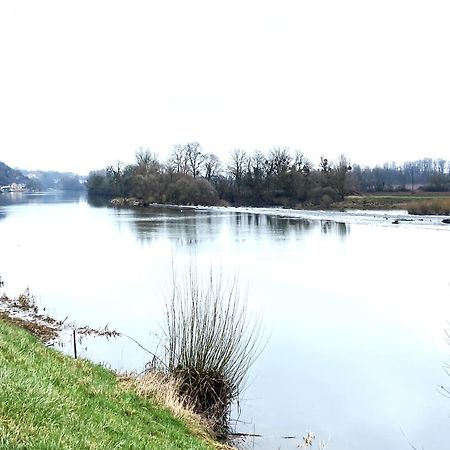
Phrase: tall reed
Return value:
(438, 206)
(209, 342)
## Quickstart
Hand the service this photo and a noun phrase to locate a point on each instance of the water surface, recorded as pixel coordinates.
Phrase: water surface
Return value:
(354, 307)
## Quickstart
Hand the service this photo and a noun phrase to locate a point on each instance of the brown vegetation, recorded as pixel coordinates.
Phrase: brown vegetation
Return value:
(164, 389)
(209, 345)
(438, 206)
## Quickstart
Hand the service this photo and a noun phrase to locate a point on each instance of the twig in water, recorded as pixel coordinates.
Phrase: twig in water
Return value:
(148, 351)
(407, 440)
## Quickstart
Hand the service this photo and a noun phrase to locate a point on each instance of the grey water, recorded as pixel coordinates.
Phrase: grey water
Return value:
(354, 308)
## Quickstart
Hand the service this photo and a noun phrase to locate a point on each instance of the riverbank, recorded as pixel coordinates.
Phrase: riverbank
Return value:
(49, 400)
(391, 201)
(376, 201)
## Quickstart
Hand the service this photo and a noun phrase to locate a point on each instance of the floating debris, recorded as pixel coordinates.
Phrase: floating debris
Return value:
(24, 312)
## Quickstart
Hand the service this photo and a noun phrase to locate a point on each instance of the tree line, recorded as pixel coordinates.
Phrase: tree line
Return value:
(39, 180)
(9, 175)
(278, 177)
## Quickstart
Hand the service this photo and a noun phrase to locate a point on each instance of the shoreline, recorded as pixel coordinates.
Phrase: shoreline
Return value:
(392, 213)
(21, 319)
(74, 403)
(372, 202)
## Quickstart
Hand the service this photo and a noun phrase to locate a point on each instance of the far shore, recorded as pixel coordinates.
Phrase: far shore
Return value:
(376, 201)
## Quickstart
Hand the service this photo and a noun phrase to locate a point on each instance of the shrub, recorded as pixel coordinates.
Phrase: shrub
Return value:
(320, 194)
(193, 191)
(326, 201)
(209, 344)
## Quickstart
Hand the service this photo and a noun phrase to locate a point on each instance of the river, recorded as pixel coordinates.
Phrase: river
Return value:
(354, 307)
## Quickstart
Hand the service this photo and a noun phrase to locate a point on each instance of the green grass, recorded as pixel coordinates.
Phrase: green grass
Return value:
(51, 401)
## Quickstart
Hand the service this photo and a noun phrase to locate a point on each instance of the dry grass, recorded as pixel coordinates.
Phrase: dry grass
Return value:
(164, 390)
(308, 442)
(436, 206)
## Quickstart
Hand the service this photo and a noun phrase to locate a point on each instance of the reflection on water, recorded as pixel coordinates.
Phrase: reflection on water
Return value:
(355, 313)
(339, 228)
(17, 198)
(190, 226)
(22, 198)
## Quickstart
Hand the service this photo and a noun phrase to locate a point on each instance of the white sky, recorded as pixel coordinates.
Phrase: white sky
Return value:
(85, 83)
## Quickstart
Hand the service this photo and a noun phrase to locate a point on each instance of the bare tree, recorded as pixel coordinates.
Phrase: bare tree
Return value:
(324, 165)
(115, 173)
(301, 164)
(339, 175)
(237, 165)
(441, 163)
(257, 163)
(147, 162)
(194, 158)
(211, 165)
(279, 160)
(411, 168)
(178, 161)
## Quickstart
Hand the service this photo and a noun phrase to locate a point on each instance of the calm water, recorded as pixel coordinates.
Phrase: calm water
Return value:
(355, 308)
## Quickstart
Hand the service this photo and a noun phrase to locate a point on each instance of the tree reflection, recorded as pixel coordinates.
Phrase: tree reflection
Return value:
(188, 226)
(21, 198)
(183, 226)
(330, 227)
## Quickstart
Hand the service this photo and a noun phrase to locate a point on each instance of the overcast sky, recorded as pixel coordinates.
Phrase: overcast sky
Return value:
(86, 83)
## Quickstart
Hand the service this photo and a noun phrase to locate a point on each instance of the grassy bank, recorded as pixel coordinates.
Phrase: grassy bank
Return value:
(50, 401)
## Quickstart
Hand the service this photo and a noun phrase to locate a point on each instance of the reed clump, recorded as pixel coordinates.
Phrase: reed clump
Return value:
(209, 344)
(438, 206)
